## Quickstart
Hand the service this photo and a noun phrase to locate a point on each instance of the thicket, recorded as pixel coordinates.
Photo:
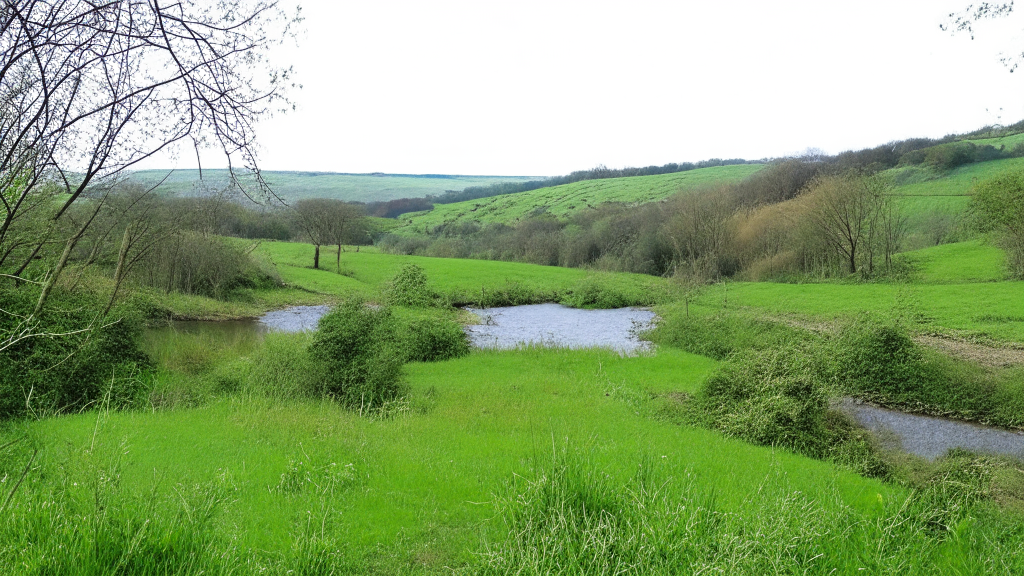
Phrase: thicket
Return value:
(77, 358)
(792, 219)
(998, 205)
(194, 263)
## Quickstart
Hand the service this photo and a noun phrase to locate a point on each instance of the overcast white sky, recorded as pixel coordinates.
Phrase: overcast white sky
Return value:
(544, 88)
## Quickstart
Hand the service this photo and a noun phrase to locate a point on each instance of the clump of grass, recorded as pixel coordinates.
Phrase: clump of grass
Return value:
(719, 335)
(409, 288)
(510, 293)
(878, 360)
(571, 518)
(356, 358)
(434, 339)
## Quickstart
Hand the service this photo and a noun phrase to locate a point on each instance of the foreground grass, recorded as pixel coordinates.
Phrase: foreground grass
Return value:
(410, 493)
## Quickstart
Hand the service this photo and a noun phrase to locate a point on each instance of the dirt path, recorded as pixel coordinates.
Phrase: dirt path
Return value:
(996, 357)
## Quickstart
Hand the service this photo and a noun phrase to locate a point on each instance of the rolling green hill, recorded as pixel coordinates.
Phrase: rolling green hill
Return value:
(352, 187)
(926, 192)
(563, 200)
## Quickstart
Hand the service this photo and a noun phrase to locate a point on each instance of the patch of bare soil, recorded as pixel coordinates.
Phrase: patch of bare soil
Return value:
(992, 356)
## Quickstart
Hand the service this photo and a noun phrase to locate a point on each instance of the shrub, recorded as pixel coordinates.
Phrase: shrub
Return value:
(409, 288)
(89, 359)
(356, 357)
(769, 397)
(879, 361)
(433, 340)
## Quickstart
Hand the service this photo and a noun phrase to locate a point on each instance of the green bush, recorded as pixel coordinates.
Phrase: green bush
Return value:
(431, 340)
(356, 356)
(409, 288)
(86, 359)
(879, 361)
(770, 397)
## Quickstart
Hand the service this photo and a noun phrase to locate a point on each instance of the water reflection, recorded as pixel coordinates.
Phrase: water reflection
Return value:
(931, 437)
(557, 325)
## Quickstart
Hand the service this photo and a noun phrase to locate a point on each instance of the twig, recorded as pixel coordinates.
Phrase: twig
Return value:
(20, 480)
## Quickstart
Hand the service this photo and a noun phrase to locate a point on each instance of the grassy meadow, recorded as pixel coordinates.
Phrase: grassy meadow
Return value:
(560, 201)
(223, 451)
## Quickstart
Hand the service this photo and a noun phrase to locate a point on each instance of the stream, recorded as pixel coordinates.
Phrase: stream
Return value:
(560, 326)
(555, 325)
(929, 436)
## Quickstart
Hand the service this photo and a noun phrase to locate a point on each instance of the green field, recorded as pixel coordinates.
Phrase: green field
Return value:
(561, 201)
(292, 186)
(230, 471)
(415, 493)
(954, 288)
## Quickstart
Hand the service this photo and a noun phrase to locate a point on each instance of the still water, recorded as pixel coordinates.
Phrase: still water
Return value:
(294, 319)
(557, 325)
(931, 437)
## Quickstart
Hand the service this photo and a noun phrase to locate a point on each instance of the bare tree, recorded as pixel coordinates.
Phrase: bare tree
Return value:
(329, 222)
(698, 229)
(856, 216)
(88, 89)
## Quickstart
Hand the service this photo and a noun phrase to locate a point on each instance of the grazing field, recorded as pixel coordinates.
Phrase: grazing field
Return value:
(292, 186)
(561, 201)
(497, 462)
(954, 288)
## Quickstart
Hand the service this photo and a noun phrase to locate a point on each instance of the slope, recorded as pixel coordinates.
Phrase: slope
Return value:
(352, 187)
(561, 201)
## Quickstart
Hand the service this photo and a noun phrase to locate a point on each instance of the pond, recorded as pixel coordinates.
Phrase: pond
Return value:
(293, 319)
(929, 436)
(557, 325)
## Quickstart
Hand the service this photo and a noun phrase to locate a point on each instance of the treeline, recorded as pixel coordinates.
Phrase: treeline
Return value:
(796, 217)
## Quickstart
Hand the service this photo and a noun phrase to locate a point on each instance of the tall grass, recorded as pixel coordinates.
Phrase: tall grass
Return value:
(568, 517)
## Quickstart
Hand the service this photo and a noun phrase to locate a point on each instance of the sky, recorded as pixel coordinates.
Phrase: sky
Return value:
(545, 88)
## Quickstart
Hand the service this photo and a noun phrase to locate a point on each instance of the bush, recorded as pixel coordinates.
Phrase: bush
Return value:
(91, 358)
(879, 361)
(770, 397)
(356, 357)
(434, 340)
(409, 288)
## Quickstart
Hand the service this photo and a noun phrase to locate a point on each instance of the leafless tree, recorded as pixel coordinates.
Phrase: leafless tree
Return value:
(698, 229)
(90, 88)
(329, 222)
(856, 216)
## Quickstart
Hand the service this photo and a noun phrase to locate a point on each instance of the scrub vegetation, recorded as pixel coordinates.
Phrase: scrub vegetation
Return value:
(382, 443)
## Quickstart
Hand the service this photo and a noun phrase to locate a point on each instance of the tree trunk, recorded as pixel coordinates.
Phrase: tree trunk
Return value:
(316, 257)
(122, 255)
(62, 262)
(339, 258)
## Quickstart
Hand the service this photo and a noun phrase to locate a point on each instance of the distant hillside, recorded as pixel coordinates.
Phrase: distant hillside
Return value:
(928, 193)
(563, 200)
(351, 187)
